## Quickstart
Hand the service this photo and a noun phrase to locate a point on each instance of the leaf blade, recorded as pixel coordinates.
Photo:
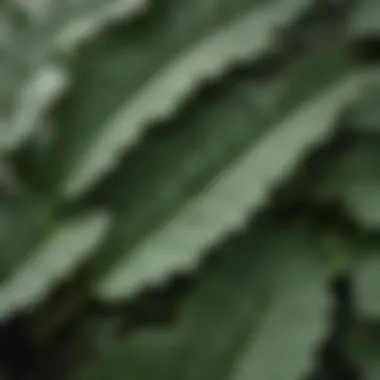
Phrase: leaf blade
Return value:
(238, 187)
(352, 177)
(366, 282)
(171, 76)
(54, 257)
(237, 316)
(36, 77)
(365, 19)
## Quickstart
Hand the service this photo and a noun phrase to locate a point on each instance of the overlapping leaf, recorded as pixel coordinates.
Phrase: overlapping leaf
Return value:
(23, 220)
(136, 74)
(31, 76)
(353, 177)
(364, 115)
(365, 19)
(37, 250)
(367, 281)
(259, 311)
(180, 195)
(69, 22)
(258, 307)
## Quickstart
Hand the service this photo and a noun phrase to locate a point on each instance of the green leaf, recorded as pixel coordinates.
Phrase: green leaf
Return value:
(73, 21)
(23, 220)
(51, 257)
(140, 73)
(207, 177)
(362, 202)
(31, 99)
(259, 311)
(94, 335)
(364, 115)
(367, 281)
(352, 176)
(31, 75)
(10, 181)
(365, 349)
(365, 19)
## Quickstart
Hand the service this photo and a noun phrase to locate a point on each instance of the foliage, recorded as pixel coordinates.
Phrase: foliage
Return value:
(190, 189)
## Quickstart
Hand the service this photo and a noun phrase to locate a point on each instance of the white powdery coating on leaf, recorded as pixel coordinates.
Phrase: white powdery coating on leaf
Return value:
(252, 33)
(228, 202)
(64, 249)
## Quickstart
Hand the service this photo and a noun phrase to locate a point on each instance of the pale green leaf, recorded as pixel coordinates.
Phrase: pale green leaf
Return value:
(260, 311)
(367, 282)
(34, 97)
(352, 176)
(54, 256)
(365, 19)
(200, 190)
(363, 203)
(70, 21)
(364, 115)
(141, 73)
(32, 75)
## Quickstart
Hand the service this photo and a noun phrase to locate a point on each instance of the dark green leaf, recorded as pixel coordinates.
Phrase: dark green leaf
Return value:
(179, 195)
(140, 73)
(259, 312)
